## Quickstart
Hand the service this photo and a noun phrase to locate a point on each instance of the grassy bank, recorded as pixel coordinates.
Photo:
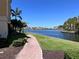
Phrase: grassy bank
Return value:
(50, 43)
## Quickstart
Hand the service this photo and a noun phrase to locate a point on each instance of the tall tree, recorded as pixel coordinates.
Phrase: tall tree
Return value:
(15, 14)
(70, 24)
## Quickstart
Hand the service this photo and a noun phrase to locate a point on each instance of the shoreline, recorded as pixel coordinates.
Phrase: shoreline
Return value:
(72, 32)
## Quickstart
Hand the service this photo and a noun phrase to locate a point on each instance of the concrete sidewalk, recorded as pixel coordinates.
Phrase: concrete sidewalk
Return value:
(31, 50)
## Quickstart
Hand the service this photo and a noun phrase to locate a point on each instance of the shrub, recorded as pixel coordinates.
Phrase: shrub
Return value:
(19, 42)
(67, 56)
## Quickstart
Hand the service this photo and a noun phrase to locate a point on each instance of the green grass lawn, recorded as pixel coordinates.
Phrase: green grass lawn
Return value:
(51, 43)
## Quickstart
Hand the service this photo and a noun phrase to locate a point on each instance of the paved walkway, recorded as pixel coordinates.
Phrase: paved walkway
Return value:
(31, 50)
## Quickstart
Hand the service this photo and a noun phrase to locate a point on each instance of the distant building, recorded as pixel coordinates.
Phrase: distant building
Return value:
(55, 27)
(4, 17)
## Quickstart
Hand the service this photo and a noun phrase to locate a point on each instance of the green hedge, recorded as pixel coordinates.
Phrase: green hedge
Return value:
(19, 42)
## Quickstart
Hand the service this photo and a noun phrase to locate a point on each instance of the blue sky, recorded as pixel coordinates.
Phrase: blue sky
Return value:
(47, 13)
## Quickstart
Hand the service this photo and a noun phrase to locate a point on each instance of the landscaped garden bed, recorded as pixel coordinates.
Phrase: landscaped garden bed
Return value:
(10, 52)
(12, 45)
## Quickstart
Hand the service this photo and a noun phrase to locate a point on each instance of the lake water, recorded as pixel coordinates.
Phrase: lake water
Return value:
(56, 33)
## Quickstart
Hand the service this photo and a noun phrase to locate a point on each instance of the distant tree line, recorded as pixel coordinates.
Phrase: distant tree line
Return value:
(41, 28)
(72, 24)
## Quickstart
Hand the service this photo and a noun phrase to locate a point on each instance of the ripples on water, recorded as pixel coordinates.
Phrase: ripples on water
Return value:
(56, 33)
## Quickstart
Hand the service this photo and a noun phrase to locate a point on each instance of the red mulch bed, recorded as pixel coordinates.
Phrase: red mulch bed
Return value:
(53, 54)
(9, 53)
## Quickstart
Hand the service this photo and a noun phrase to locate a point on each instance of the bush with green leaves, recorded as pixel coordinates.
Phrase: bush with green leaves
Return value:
(19, 42)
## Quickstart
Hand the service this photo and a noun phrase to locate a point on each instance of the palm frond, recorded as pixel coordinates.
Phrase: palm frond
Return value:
(12, 14)
(12, 11)
(20, 17)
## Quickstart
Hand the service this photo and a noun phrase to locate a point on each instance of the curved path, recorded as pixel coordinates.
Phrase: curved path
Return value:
(31, 50)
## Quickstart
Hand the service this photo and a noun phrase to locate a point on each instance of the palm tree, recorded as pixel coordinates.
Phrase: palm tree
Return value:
(16, 14)
(70, 24)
